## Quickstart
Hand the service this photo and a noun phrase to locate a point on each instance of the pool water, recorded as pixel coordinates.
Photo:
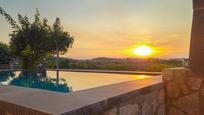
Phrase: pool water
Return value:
(69, 81)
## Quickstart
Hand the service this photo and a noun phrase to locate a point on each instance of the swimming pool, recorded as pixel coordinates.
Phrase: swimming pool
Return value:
(69, 81)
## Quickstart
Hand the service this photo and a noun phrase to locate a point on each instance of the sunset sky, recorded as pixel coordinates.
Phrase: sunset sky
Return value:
(111, 28)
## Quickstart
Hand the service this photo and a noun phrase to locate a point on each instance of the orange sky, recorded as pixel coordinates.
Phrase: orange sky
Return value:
(109, 28)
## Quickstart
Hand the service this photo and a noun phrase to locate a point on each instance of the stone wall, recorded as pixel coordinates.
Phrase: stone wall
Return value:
(184, 92)
(5, 113)
(151, 103)
(137, 97)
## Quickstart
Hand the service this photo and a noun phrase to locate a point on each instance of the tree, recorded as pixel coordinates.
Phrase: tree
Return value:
(9, 18)
(5, 55)
(62, 41)
(33, 42)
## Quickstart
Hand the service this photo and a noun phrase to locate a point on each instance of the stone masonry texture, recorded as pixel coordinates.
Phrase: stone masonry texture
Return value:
(184, 92)
(151, 103)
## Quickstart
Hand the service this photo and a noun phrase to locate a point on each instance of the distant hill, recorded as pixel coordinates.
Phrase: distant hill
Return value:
(128, 64)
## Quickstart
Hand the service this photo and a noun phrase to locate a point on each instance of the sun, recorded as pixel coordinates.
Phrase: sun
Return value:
(143, 51)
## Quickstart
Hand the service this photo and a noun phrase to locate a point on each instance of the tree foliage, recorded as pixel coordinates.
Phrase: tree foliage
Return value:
(59, 37)
(5, 55)
(121, 64)
(33, 41)
(9, 18)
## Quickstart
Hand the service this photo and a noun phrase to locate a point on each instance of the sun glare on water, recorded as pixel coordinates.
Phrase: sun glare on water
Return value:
(143, 51)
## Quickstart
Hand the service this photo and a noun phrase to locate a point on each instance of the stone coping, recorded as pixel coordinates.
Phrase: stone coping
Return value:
(35, 101)
(2, 70)
(97, 71)
(109, 71)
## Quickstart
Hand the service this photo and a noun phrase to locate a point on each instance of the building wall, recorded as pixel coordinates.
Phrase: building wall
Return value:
(184, 92)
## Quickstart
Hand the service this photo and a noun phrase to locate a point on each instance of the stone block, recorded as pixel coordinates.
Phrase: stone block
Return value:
(194, 83)
(161, 96)
(174, 111)
(184, 88)
(188, 104)
(151, 96)
(155, 105)
(9, 113)
(130, 109)
(2, 113)
(105, 113)
(201, 99)
(139, 99)
(147, 109)
(168, 74)
(172, 90)
(111, 112)
(161, 110)
(180, 75)
(189, 73)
